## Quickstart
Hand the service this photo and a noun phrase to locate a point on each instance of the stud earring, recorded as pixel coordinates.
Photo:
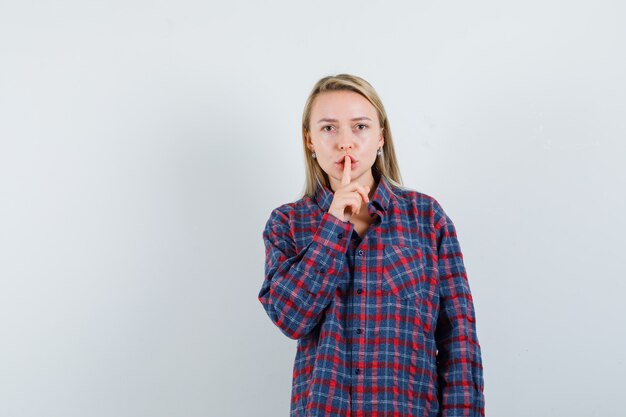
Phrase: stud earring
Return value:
(380, 152)
(313, 155)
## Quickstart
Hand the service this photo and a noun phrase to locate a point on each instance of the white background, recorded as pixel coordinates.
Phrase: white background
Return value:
(143, 145)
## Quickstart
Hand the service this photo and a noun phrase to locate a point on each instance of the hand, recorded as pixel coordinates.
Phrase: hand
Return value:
(348, 195)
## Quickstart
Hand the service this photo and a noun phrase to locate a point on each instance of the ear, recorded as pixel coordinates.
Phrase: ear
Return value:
(381, 141)
(308, 141)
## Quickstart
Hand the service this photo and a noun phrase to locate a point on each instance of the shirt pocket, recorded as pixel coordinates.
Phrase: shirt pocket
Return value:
(404, 274)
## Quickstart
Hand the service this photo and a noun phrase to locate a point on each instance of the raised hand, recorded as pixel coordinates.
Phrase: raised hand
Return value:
(348, 195)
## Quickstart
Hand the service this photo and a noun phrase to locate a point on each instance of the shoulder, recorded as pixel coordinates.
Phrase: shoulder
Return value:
(285, 214)
(406, 195)
(420, 203)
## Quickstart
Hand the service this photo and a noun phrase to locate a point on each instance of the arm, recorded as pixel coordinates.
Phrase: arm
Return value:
(299, 286)
(459, 363)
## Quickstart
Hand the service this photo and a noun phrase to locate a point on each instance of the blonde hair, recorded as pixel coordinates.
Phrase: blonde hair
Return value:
(385, 165)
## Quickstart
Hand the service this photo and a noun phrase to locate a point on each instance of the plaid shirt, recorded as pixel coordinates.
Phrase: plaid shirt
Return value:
(385, 326)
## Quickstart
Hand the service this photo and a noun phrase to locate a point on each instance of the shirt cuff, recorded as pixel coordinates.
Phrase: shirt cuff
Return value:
(334, 234)
(328, 249)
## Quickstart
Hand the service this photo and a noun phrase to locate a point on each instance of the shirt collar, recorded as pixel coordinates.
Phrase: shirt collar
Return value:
(379, 202)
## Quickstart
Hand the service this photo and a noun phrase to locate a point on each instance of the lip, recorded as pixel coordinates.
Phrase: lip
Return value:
(340, 165)
(343, 157)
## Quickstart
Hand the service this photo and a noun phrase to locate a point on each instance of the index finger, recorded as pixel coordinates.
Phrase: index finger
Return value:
(345, 179)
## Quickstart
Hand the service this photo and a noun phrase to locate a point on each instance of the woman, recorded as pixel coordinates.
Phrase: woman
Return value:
(368, 275)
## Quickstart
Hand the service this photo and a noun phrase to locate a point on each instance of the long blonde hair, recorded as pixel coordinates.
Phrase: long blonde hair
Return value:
(385, 165)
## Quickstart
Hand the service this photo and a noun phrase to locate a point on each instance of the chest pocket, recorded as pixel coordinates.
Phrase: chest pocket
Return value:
(404, 273)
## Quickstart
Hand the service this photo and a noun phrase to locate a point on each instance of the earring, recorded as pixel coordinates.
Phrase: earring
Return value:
(313, 155)
(380, 152)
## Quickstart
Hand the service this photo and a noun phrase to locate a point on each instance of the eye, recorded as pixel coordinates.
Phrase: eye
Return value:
(361, 126)
(327, 128)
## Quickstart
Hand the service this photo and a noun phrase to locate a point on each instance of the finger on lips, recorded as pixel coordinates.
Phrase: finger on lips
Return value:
(346, 171)
(362, 191)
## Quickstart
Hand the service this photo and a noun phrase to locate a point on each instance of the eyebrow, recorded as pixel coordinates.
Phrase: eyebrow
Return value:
(355, 119)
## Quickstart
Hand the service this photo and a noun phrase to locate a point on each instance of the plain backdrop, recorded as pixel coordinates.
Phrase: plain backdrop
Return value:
(143, 145)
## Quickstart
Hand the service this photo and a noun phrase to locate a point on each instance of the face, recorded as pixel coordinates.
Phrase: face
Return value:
(344, 123)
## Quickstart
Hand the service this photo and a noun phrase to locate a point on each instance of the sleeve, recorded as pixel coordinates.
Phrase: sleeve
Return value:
(298, 286)
(459, 363)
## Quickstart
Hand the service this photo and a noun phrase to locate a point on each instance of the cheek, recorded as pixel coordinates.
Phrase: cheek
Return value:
(373, 145)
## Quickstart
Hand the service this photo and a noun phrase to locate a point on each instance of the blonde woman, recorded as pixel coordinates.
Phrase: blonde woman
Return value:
(368, 275)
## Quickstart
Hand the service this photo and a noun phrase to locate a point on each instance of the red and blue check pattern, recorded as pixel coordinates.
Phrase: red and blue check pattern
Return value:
(385, 326)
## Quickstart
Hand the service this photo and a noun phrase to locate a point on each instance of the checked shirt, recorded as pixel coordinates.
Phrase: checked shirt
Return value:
(384, 323)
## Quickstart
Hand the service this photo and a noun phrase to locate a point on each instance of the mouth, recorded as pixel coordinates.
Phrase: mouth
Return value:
(341, 164)
(343, 158)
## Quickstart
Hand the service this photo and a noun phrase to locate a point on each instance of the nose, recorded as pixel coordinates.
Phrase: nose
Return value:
(346, 141)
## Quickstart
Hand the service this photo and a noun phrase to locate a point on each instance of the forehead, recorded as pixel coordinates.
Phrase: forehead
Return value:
(341, 105)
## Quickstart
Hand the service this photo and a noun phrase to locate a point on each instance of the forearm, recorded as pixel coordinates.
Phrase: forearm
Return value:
(299, 286)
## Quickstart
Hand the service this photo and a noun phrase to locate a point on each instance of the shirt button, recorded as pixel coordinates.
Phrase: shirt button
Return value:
(360, 252)
(358, 371)
(359, 331)
(359, 291)
(322, 270)
(340, 235)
